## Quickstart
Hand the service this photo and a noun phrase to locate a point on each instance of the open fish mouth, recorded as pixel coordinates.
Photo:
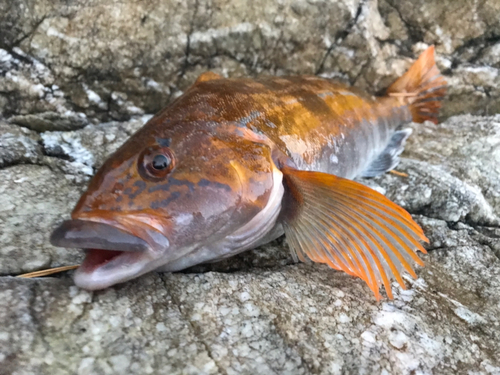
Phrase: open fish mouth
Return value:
(112, 254)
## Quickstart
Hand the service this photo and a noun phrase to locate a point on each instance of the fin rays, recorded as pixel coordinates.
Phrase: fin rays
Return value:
(388, 225)
(374, 263)
(352, 228)
(377, 238)
(426, 87)
(388, 159)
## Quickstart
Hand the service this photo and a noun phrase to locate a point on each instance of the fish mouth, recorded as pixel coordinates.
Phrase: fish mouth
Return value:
(113, 255)
(88, 234)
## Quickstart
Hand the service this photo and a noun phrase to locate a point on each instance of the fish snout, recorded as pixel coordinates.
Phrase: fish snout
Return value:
(112, 254)
(93, 235)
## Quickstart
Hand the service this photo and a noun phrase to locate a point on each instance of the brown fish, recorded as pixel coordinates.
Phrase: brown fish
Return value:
(235, 163)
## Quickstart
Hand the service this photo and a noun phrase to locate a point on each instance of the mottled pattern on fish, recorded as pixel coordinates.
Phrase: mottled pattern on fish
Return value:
(234, 163)
(321, 124)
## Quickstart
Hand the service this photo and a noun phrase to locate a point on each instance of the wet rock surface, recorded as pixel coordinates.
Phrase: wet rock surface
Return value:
(78, 78)
(257, 312)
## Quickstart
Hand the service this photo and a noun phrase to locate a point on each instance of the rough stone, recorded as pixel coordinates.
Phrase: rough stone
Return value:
(258, 312)
(295, 319)
(50, 121)
(467, 147)
(60, 329)
(453, 171)
(18, 145)
(108, 60)
(33, 199)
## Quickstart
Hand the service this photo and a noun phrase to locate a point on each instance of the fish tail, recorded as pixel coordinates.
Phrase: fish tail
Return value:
(423, 87)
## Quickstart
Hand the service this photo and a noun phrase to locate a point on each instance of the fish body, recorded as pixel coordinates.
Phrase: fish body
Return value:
(320, 124)
(235, 163)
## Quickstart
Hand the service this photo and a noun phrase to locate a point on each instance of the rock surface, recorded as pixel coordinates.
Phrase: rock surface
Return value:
(258, 312)
(63, 64)
(77, 78)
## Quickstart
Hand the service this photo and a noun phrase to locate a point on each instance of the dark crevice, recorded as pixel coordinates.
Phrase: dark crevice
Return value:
(59, 154)
(340, 36)
(15, 163)
(45, 160)
(483, 43)
(233, 269)
(17, 42)
(185, 64)
(415, 34)
(492, 243)
(475, 232)
(19, 57)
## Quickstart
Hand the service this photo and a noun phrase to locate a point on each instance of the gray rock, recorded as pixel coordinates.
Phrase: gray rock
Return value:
(295, 319)
(433, 191)
(454, 171)
(27, 86)
(465, 146)
(60, 329)
(33, 199)
(18, 145)
(257, 312)
(50, 121)
(113, 60)
(88, 148)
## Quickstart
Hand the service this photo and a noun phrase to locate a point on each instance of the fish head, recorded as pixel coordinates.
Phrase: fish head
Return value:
(160, 197)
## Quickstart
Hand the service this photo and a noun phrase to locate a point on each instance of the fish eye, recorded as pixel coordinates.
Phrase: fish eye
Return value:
(160, 162)
(156, 162)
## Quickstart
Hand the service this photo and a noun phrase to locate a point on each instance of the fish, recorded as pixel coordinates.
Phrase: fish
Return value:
(234, 163)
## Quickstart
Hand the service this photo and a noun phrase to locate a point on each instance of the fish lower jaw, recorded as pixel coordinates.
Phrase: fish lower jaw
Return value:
(104, 268)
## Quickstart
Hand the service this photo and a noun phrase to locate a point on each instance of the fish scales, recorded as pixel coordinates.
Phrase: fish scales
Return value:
(308, 118)
(234, 163)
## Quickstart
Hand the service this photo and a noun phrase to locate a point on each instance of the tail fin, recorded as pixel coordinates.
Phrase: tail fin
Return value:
(423, 86)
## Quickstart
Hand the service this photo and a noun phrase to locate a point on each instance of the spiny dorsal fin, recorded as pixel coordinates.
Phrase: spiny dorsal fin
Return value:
(207, 76)
(389, 158)
(422, 86)
(350, 227)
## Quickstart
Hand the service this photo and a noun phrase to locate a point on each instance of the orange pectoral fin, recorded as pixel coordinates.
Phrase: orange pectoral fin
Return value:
(350, 227)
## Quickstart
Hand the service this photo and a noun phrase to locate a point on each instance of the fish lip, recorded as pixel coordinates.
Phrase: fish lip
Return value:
(113, 256)
(122, 268)
(96, 235)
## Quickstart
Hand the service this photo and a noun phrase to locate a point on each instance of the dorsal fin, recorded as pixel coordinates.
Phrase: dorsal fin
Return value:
(207, 76)
(389, 158)
(350, 227)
